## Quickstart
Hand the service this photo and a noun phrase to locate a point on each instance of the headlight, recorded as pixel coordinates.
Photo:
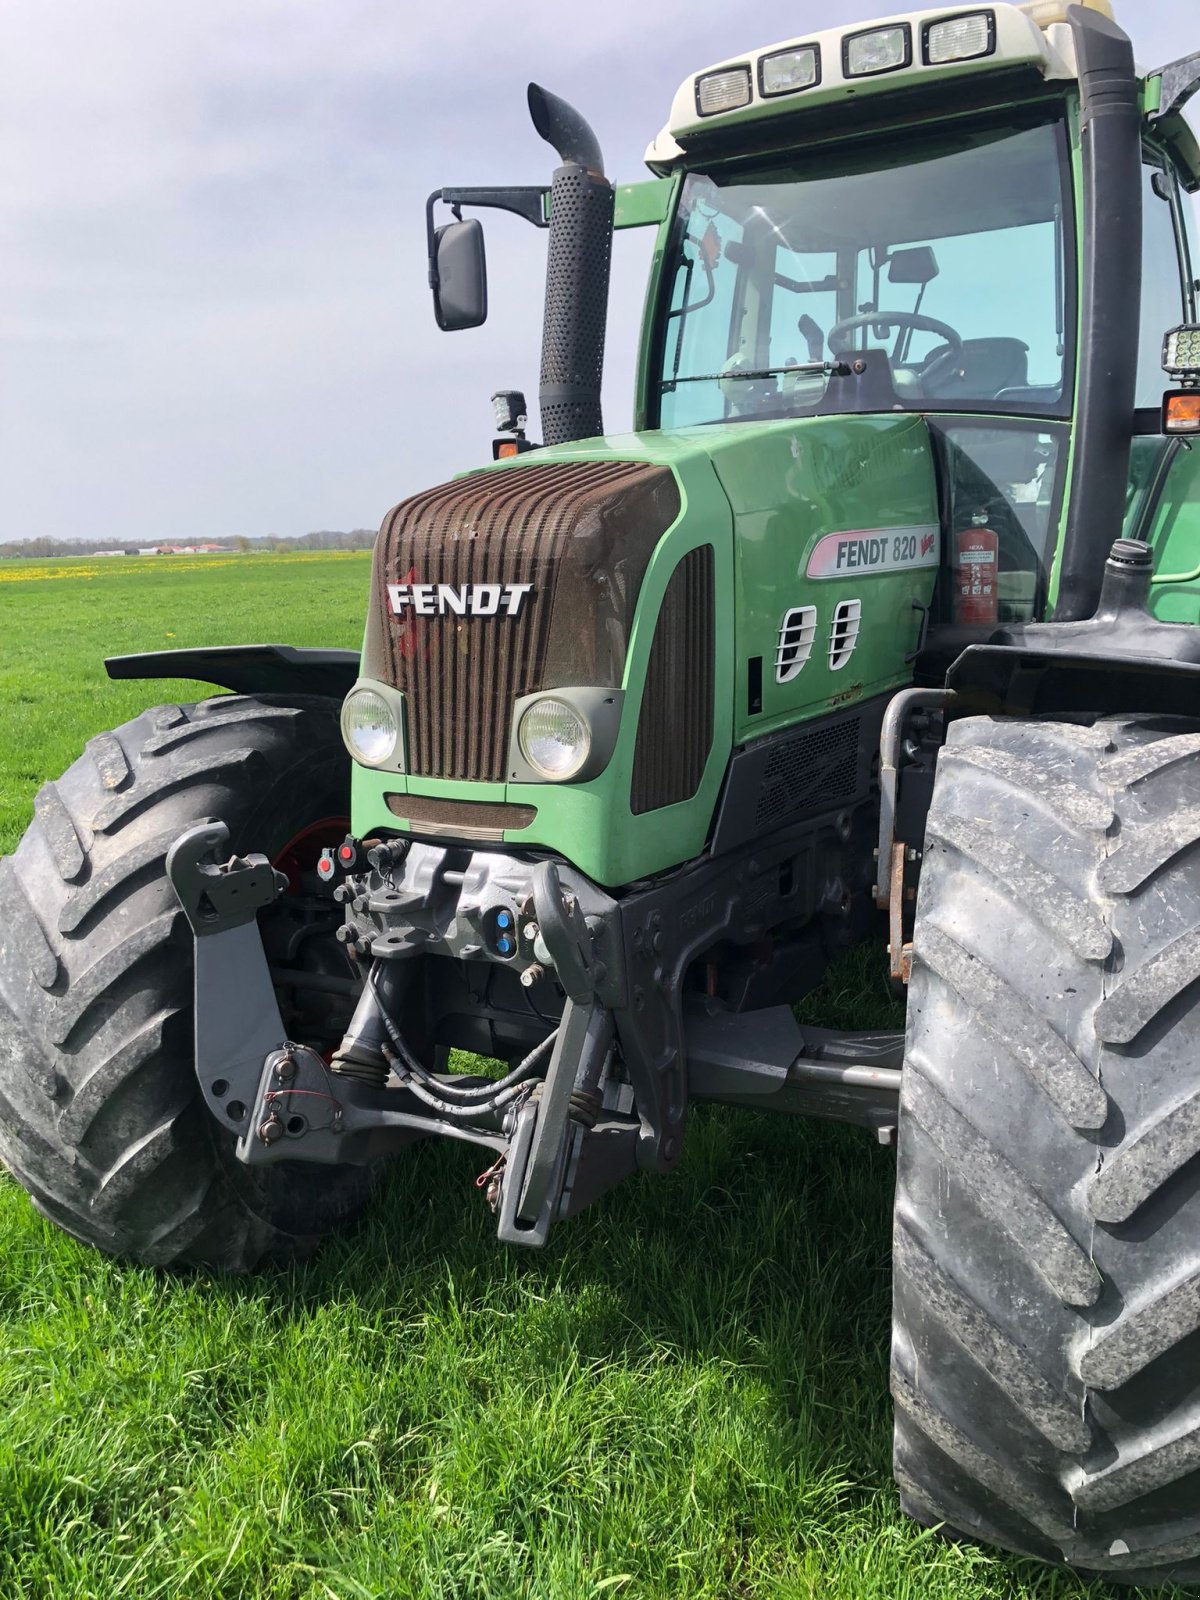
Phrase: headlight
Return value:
(554, 738)
(369, 727)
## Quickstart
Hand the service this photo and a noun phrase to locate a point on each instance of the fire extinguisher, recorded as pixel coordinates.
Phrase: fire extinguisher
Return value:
(976, 566)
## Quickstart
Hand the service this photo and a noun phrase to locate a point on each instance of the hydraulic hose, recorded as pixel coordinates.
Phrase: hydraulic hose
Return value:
(451, 1097)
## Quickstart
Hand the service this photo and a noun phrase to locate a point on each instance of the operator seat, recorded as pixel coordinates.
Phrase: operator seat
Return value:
(987, 365)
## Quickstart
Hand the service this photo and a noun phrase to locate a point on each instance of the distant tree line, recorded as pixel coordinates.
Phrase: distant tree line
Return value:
(40, 549)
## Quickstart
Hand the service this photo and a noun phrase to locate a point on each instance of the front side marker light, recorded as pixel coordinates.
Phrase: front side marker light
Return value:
(723, 91)
(1181, 412)
(788, 71)
(965, 38)
(879, 50)
(369, 727)
(554, 738)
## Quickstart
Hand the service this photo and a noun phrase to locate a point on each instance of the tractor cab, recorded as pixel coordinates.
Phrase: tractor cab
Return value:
(911, 217)
(933, 275)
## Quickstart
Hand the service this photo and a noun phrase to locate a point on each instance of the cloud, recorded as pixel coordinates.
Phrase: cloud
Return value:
(213, 309)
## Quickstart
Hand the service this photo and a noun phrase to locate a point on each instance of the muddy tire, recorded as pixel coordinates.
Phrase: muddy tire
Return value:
(1047, 1233)
(100, 1114)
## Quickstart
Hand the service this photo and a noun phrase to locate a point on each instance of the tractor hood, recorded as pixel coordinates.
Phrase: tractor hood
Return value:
(526, 576)
(642, 579)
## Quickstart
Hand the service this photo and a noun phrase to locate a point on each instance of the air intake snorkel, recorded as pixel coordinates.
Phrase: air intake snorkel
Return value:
(579, 257)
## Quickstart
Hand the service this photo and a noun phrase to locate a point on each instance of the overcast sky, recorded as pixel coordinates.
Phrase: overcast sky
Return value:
(213, 310)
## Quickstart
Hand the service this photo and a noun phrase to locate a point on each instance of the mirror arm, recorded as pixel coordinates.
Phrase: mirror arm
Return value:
(529, 203)
(1180, 81)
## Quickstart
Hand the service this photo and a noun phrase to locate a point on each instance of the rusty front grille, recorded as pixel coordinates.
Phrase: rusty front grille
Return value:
(581, 533)
(676, 724)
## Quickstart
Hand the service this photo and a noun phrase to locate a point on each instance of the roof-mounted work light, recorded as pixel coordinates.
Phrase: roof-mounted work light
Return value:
(967, 38)
(878, 50)
(789, 71)
(723, 91)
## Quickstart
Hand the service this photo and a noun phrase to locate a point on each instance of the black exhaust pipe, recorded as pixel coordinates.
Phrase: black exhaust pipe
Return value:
(577, 273)
(1111, 138)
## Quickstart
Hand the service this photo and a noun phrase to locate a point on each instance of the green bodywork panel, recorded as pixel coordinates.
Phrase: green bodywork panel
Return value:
(794, 485)
(762, 497)
(1174, 527)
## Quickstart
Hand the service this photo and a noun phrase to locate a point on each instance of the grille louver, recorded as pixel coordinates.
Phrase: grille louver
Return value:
(843, 633)
(797, 635)
(675, 726)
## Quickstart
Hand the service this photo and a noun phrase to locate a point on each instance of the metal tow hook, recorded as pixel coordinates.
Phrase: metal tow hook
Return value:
(270, 1129)
(490, 1181)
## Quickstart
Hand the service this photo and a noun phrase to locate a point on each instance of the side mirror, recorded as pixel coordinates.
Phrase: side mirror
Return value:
(459, 276)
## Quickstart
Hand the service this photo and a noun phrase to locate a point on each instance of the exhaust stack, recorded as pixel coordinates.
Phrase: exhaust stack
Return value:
(579, 258)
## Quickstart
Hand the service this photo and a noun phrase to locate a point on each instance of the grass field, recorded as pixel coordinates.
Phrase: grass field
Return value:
(685, 1395)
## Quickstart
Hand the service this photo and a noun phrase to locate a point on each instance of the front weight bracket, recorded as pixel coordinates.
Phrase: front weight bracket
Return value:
(237, 1021)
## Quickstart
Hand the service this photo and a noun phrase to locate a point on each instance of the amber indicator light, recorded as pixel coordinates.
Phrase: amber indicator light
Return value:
(1181, 412)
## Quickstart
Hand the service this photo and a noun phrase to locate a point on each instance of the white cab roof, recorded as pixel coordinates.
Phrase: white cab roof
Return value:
(1019, 41)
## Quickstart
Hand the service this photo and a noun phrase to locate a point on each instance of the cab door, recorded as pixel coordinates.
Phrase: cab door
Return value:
(1164, 489)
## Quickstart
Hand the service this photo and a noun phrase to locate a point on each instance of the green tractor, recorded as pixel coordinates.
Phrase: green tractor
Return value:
(885, 615)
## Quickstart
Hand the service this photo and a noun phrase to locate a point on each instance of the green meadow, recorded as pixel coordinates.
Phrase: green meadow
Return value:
(684, 1396)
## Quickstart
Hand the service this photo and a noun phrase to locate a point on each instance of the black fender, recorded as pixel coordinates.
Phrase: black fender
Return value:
(1015, 680)
(1123, 660)
(271, 669)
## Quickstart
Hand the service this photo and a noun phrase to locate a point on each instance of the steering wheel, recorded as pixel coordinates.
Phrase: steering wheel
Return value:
(903, 319)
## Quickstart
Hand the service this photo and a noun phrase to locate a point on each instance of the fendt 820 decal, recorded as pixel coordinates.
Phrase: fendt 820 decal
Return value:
(874, 550)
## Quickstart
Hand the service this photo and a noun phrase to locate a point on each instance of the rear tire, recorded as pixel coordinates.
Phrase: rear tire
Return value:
(101, 1117)
(1047, 1237)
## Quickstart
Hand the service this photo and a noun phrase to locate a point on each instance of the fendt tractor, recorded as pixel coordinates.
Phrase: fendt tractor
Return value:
(883, 621)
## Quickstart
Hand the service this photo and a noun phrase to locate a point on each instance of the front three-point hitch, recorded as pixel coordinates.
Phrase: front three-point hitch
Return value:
(556, 1123)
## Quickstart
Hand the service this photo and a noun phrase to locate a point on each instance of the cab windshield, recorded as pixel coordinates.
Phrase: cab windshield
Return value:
(935, 282)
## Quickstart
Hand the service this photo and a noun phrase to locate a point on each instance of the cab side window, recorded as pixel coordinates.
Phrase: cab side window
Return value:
(1165, 303)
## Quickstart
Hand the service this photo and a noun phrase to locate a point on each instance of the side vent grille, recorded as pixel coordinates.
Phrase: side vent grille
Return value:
(797, 635)
(812, 768)
(675, 727)
(843, 633)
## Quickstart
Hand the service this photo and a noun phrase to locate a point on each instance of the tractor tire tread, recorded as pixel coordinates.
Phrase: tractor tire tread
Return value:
(1047, 1275)
(100, 1114)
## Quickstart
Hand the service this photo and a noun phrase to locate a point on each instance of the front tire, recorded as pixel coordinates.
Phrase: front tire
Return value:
(101, 1117)
(1047, 1236)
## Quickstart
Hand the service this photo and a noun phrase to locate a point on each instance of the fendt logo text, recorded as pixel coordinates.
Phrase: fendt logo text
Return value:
(460, 600)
